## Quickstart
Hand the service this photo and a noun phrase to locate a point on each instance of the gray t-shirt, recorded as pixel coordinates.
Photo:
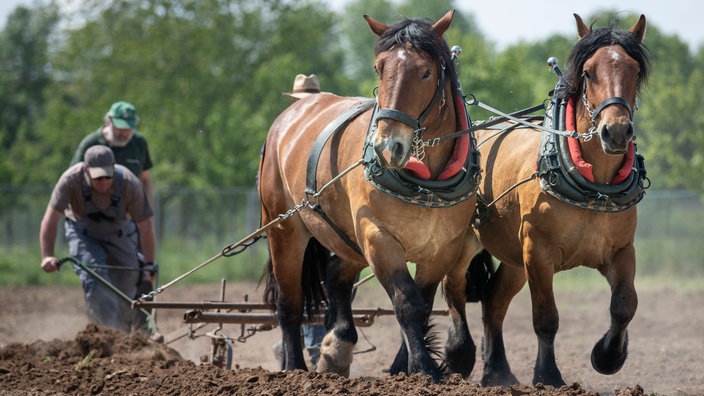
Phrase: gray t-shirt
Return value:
(67, 196)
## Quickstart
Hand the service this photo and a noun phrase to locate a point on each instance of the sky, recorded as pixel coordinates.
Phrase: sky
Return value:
(507, 21)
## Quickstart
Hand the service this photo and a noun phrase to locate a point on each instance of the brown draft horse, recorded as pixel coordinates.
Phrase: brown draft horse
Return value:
(360, 224)
(537, 232)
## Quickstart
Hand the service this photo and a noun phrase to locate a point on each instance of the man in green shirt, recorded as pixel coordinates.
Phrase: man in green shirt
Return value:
(127, 144)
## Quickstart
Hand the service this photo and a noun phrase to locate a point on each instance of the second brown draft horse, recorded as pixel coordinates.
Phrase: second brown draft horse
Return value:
(569, 201)
(402, 207)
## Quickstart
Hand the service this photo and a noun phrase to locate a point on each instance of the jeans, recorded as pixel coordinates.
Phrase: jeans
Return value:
(104, 305)
(312, 338)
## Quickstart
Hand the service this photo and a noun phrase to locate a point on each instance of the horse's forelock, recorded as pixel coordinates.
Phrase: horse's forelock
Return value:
(599, 38)
(418, 33)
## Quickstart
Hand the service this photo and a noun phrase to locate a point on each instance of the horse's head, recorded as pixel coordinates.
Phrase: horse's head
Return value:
(607, 68)
(413, 64)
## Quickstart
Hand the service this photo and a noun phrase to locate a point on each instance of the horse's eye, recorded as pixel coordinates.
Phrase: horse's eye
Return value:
(426, 75)
(586, 75)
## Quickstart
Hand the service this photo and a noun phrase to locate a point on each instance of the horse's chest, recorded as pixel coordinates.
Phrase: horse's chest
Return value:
(590, 243)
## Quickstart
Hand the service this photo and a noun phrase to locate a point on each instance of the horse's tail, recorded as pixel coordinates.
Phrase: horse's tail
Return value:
(480, 270)
(269, 281)
(314, 273)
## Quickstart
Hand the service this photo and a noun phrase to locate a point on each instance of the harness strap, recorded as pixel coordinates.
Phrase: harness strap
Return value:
(117, 184)
(398, 116)
(335, 126)
(614, 100)
(494, 121)
(319, 210)
(338, 124)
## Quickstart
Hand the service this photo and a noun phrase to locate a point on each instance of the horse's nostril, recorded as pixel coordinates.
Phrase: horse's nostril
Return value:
(398, 150)
(605, 135)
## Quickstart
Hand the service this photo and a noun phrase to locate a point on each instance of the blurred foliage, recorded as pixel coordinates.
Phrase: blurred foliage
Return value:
(207, 77)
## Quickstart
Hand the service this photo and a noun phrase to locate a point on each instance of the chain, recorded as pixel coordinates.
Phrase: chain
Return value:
(254, 236)
(592, 123)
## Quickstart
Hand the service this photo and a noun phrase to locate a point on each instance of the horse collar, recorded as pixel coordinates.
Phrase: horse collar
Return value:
(560, 177)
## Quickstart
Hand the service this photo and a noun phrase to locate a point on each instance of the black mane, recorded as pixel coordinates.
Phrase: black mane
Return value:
(599, 38)
(418, 33)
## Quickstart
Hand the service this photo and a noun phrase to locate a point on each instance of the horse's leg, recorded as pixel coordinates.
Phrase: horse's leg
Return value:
(609, 354)
(503, 286)
(337, 348)
(546, 320)
(287, 258)
(386, 258)
(460, 350)
(401, 362)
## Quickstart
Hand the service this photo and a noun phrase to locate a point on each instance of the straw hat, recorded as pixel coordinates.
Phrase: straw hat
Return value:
(304, 86)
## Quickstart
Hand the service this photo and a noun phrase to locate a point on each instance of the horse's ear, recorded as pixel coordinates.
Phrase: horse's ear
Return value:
(441, 26)
(377, 27)
(582, 29)
(639, 27)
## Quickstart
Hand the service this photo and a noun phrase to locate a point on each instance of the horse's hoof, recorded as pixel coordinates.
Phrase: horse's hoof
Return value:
(555, 381)
(609, 362)
(335, 356)
(461, 360)
(496, 379)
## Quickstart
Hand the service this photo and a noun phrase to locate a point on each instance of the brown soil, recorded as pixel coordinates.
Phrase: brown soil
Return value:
(47, 347)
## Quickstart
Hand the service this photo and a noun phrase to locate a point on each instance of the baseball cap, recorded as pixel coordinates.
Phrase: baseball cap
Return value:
(123, 115)
(99, 161)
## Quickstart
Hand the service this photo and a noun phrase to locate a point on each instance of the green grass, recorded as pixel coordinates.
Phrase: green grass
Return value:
(19, 266)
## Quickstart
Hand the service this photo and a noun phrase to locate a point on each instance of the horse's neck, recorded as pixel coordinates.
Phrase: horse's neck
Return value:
(439, 124)
(604, 166)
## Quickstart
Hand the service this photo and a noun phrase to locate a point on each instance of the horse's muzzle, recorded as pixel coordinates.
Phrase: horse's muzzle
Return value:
(615, 137)
(392, 151)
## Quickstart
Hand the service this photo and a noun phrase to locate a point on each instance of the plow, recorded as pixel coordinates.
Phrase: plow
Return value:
(251, 317)
(243, 320)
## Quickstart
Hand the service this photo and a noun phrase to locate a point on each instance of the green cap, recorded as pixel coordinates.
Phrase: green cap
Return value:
(123, 115)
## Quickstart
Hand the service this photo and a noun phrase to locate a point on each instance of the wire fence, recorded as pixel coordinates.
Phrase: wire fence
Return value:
(669, 238)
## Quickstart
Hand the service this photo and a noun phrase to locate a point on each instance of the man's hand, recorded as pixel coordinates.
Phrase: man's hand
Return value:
(149, 271)
(50, 264)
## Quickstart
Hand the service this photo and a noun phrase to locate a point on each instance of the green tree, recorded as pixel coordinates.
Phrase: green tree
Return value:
(24, 78)
(200, 74)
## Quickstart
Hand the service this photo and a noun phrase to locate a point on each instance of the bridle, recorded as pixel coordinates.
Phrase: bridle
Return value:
(614, 100)
(416, 124)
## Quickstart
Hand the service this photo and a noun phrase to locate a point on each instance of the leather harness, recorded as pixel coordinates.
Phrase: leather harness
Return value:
(560, 178)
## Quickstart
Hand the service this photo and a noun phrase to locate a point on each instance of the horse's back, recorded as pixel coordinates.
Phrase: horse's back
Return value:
(303, 120)
(292, 135)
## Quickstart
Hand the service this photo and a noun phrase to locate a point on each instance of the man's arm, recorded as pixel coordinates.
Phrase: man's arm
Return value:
(146, 178)
(146, 239)
(47, 239)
